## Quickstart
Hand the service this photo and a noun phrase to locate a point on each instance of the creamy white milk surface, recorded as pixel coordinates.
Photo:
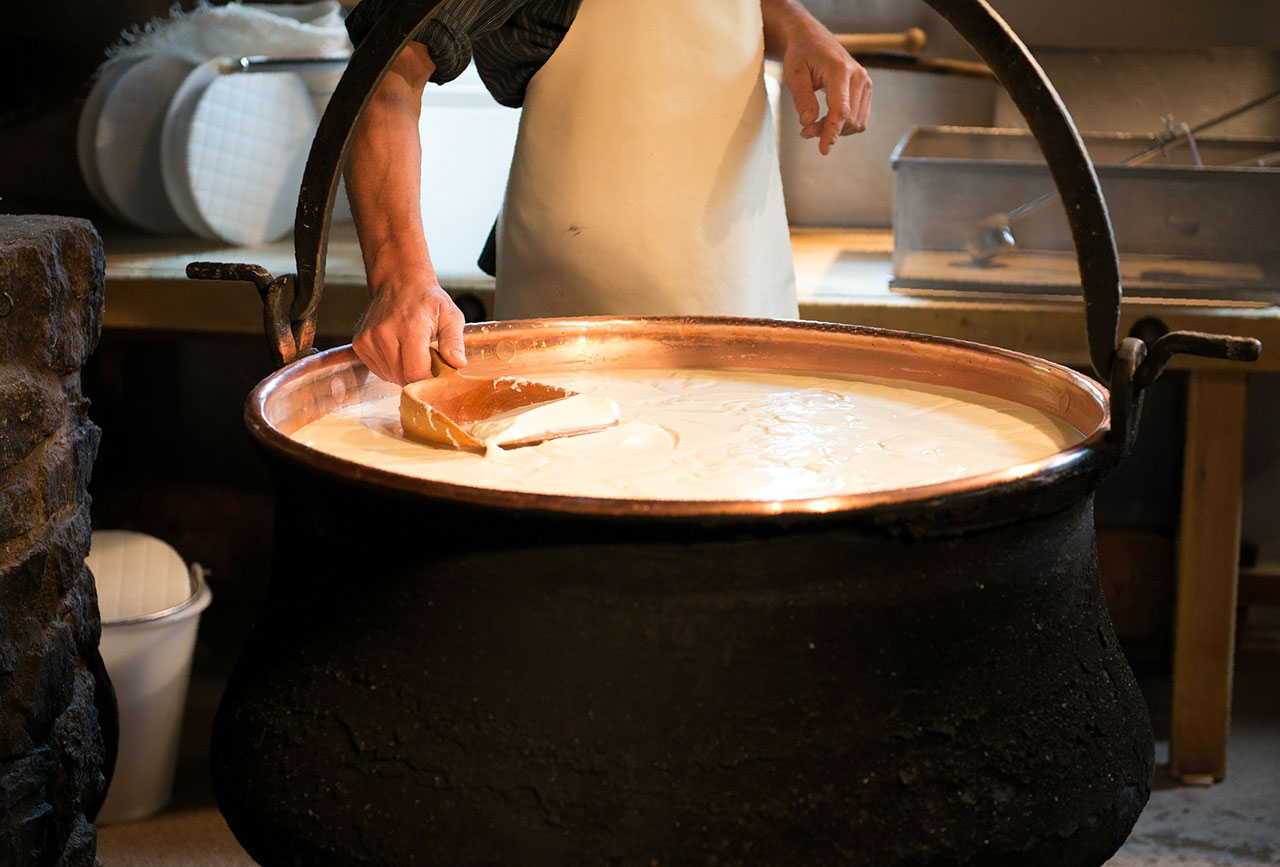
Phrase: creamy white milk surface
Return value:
(578, 412)
(725, 435)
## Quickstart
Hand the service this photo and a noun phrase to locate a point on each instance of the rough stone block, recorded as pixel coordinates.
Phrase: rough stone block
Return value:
(80, 609)
(24, 594)
(52, 753)
(19, 504)
(32, 412)
(45, 676)
(81, 846)
(66, 466)
(25, 813)
(68, 538)
(76, 752)
(51, 285)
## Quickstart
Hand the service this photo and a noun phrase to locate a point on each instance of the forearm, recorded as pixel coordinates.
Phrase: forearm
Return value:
(407, 308)
(783, 21)
(384, 172)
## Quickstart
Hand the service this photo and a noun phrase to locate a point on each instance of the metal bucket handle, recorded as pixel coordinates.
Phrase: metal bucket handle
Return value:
(1130, 365)
(291, 302)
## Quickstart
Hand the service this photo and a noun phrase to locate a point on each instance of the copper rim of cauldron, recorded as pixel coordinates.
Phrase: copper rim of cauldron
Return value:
(315, 386)
(291, 301)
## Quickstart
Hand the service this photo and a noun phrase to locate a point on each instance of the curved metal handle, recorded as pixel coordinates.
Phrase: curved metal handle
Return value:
(291, 302)
(1127, 366)
(368, 65)
(1069, 165)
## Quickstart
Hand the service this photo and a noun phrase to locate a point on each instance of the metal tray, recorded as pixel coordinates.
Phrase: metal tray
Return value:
(1183, 230)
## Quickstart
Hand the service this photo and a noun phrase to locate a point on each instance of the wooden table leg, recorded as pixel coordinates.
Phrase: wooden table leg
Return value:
(1208, 572)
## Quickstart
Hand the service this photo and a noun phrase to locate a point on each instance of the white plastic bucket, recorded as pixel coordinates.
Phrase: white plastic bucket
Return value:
(150, 603)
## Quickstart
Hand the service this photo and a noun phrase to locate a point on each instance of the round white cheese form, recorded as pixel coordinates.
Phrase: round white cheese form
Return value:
(239, 159)
(127, 143)
(87, 131)
(174, 139)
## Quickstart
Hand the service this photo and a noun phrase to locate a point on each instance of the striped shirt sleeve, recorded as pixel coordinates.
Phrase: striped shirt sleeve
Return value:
(509, 39)
(449, 33)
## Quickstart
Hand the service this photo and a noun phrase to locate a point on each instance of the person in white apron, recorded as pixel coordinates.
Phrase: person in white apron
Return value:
(644, 181)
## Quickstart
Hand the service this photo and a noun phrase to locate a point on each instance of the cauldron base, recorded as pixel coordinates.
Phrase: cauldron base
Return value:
(591, 691)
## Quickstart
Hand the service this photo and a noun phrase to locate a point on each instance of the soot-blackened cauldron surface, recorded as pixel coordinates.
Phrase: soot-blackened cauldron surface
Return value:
(437, 682)
(455, 678)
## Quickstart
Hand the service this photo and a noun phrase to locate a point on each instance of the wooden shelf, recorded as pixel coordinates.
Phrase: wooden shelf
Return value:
(842, 275)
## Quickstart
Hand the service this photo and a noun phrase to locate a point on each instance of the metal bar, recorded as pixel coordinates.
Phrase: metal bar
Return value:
(1162, 140)
(1068, 162)
(263, 63)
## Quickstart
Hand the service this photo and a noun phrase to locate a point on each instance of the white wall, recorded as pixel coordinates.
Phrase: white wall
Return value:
(1134, 24)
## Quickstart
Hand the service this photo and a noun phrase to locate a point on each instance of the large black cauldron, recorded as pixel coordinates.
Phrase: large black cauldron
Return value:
(446, 675)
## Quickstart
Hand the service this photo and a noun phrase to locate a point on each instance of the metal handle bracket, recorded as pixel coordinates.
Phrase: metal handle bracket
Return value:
(289, 326)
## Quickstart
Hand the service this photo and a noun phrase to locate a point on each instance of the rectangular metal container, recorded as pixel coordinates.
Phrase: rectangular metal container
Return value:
(1183, 230)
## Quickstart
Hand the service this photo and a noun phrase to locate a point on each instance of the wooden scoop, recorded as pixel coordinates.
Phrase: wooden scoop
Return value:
(446, 408)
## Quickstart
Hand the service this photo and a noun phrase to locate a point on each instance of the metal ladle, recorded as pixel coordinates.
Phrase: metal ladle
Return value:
(993, 234)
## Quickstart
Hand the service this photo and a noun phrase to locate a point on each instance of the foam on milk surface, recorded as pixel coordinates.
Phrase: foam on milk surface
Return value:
(726, 435)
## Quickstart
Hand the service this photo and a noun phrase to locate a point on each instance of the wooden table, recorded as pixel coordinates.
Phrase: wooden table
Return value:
(843, 276)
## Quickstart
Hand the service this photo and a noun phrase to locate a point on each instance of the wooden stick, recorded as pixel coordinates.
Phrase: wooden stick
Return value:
(933, 65)
(910, 41)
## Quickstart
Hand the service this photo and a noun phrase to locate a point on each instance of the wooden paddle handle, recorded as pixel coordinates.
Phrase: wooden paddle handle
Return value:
(440, 367)
(910, 41)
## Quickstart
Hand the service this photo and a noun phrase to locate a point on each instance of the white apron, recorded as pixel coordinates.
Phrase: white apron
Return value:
(645, 177)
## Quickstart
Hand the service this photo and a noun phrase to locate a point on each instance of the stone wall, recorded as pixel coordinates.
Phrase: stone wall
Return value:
(53, 762)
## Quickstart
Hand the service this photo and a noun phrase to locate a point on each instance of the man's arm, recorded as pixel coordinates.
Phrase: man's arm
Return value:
(407, 308)
(813, 60)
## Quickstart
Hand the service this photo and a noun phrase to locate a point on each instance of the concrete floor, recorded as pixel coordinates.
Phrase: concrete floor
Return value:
(1235, 823)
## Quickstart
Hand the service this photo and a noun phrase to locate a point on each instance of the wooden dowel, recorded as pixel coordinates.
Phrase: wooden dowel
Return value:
(933, 65)
(910, 41)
